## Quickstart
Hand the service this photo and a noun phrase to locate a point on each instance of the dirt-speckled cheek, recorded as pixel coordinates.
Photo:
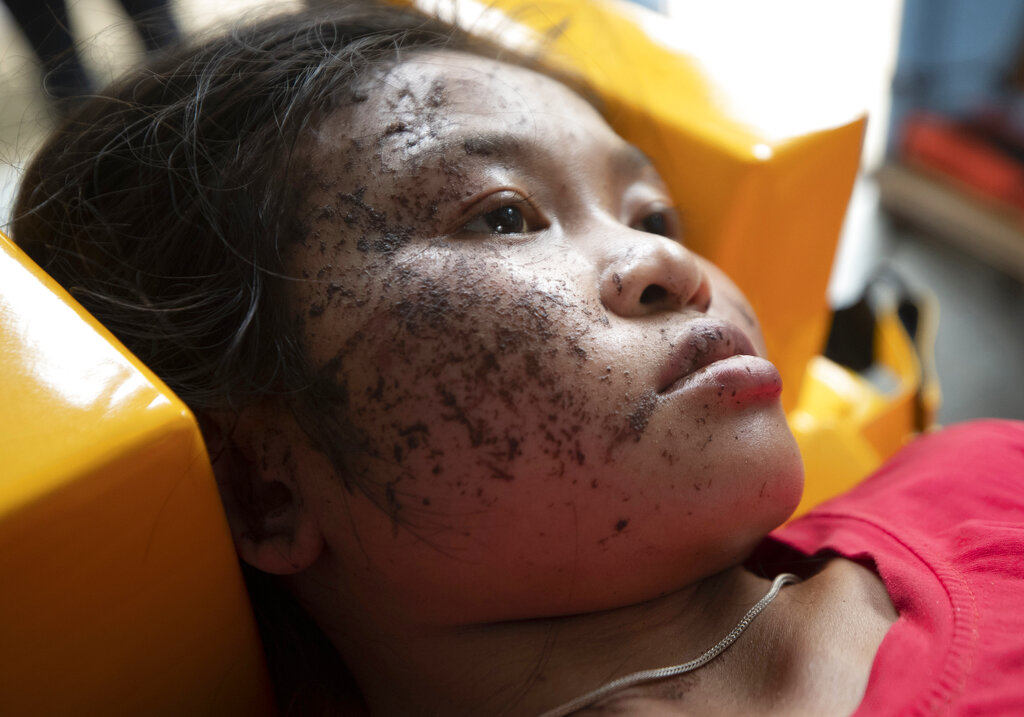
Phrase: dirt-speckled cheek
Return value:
(464, 374)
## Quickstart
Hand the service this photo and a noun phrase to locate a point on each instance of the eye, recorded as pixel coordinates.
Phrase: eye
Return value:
(504, 220)
(505, 213)
(662, 221)
(656, 223)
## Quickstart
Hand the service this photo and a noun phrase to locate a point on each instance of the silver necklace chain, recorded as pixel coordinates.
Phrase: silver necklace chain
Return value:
(662, 672)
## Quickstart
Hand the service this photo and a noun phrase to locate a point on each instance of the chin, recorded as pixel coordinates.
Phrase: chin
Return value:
(771, 484)
(780, 492)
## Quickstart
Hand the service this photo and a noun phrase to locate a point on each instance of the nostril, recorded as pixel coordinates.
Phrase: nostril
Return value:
(653, 294)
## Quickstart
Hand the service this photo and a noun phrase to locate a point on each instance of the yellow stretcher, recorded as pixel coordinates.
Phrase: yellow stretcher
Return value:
(119, 589)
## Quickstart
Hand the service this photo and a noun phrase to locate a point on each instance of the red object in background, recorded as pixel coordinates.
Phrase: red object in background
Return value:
(938, 144)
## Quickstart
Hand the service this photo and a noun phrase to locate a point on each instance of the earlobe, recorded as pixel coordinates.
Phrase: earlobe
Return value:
(270, 524)
(282, 552)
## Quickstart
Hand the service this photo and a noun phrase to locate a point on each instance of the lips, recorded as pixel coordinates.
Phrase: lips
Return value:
(704, 342)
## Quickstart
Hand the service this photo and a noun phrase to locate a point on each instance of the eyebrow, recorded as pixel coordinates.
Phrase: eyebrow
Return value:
(632, 158)
(627, 158)
(487, 145)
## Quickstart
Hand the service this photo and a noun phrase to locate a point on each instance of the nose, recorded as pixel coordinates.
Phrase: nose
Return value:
(652, 275)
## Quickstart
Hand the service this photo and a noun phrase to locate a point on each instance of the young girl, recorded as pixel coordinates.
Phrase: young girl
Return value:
(472, 402)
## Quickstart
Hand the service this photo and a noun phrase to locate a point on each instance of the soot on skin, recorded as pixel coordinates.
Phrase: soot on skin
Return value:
(423, 340)
(481, 369)
(376, 233)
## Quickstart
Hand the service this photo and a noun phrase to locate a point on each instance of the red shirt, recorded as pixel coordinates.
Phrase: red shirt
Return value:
(943, 525)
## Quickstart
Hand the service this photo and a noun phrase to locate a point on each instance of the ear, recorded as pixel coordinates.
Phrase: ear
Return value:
(272, 526)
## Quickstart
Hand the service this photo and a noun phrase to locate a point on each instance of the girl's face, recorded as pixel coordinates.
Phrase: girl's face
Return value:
(558, 405)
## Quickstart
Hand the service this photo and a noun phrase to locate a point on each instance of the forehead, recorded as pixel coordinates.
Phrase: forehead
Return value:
(434, 101)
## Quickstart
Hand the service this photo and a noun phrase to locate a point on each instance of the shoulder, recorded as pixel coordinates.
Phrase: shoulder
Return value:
(944, 490)
(971, 470)
(965, 446)
(942, 523)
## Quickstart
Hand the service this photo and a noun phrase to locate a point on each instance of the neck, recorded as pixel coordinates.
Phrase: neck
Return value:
(527, 667)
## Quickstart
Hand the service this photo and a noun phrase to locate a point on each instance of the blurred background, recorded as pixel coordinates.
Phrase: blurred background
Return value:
(940, 198)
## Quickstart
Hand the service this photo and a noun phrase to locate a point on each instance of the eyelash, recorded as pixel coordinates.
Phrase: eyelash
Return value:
(487, 214)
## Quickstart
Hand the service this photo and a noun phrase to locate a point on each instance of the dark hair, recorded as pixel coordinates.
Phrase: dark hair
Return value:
(164, 205)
